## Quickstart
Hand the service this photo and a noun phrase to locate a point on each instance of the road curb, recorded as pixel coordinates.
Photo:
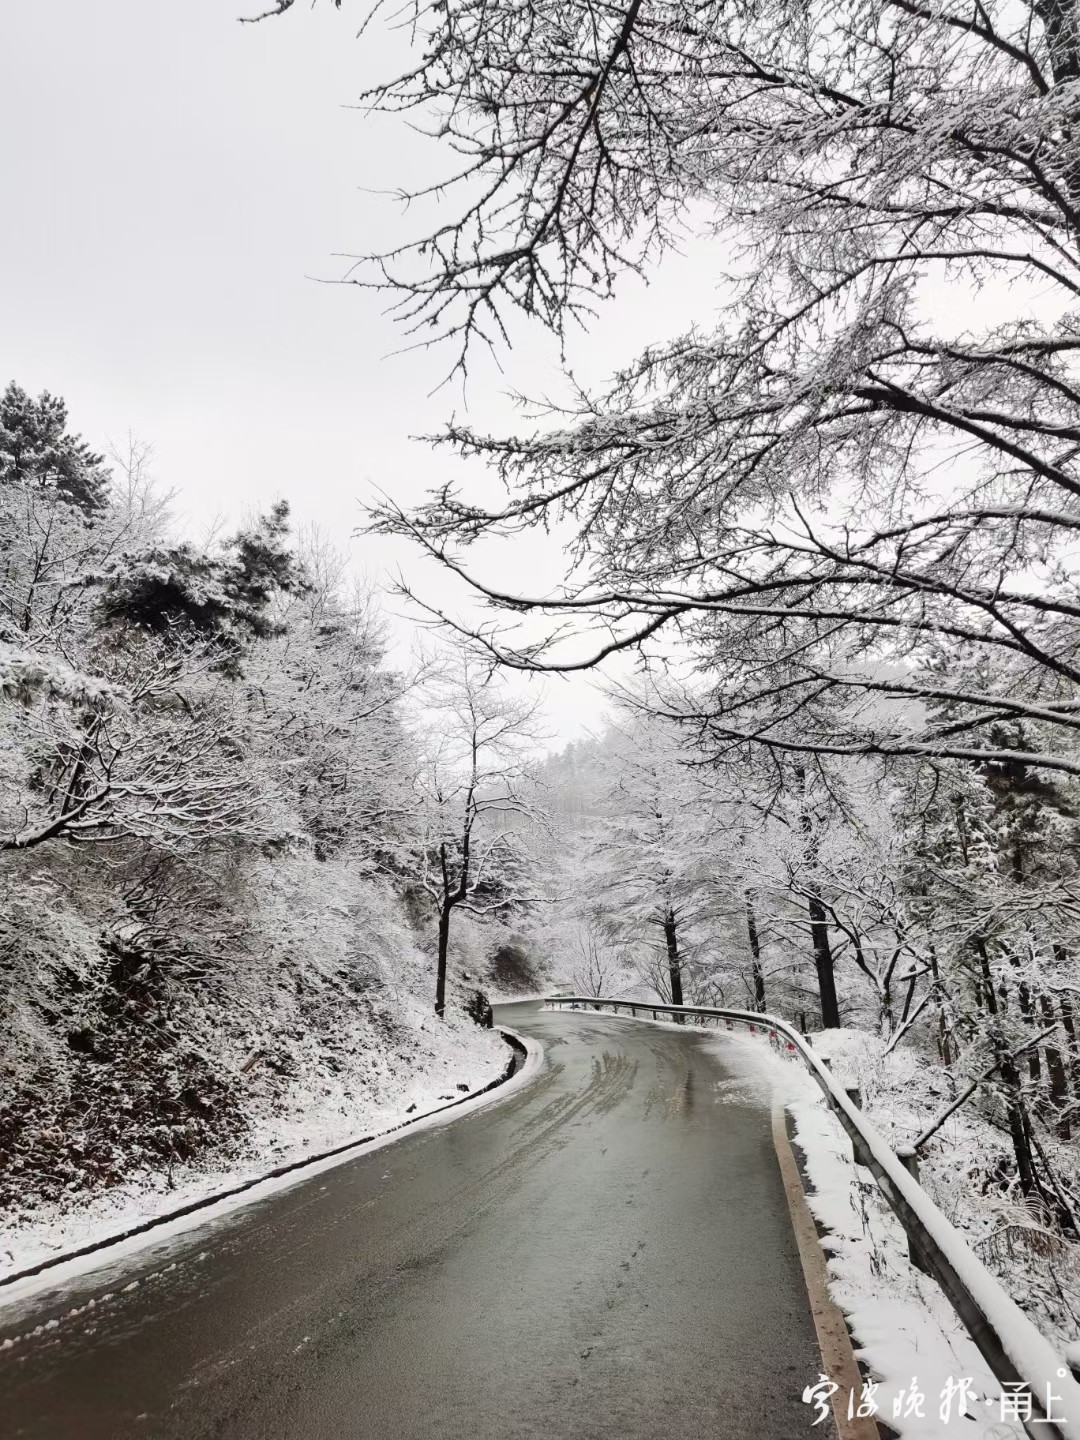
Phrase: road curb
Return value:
(520, 1052)
(834, 1341)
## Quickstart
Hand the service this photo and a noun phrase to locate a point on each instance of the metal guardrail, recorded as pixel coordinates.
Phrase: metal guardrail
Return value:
(1010, 1343)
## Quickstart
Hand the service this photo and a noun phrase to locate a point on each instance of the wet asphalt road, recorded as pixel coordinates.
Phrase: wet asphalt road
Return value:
(607, 1253)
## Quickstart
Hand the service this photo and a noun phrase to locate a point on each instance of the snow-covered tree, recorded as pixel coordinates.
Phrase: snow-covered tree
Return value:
(841, 471)
(326, 710)
(120, 662)
(207, 829)
(649, 854)
(38, 450)
(476, 801)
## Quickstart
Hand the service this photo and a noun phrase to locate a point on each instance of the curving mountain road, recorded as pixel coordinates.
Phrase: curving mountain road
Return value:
(605, 1255)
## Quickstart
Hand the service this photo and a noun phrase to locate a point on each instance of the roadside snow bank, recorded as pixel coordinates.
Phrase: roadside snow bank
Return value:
(129, 1087)
(118, 1247)
(907, 1336)
(961, 1169)
(431, 1062)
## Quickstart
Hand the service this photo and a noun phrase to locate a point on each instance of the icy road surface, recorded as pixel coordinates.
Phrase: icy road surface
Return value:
(606, 1254)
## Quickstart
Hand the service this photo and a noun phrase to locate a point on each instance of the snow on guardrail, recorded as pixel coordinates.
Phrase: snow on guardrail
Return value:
(1014, 1348)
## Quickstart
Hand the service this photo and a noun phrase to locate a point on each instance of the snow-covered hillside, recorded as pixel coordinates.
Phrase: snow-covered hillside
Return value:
(219, 814)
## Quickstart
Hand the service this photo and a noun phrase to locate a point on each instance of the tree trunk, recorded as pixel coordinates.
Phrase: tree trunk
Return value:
(1018, 1129)
(1027, 1009)
(1068, 1020)
(674, 968)
(1014, 1110)
(1023, 989)
(755, 950)
(944, 1048)
(823, 959)
(987, 994)
(444, 945)
(819, 925)
(943, 1040)
(1059, 1084)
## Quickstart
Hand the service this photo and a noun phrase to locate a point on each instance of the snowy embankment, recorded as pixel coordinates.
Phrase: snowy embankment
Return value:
(127, 1092)
(910, 1343)
(444, 1061)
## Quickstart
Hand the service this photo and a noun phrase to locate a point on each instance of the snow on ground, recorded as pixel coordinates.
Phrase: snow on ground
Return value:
(906, 1334)
(434, 1062)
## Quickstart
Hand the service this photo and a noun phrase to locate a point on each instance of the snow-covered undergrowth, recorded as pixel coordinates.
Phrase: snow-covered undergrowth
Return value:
(127, 1094)
(960, 1167)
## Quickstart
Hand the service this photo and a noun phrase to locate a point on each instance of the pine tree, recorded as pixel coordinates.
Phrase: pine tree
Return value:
(37, 449)
(181, 591)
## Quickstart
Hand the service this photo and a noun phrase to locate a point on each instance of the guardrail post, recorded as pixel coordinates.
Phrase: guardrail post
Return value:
(862, 1157)
(909, 1158)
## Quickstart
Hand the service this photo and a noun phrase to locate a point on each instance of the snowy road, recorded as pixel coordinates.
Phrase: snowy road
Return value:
(606, 1254)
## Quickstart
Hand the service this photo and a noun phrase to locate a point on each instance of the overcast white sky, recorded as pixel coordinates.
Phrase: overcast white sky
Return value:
(174, 184)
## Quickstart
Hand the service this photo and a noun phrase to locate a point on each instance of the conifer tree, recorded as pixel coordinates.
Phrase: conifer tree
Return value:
(37, 450)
